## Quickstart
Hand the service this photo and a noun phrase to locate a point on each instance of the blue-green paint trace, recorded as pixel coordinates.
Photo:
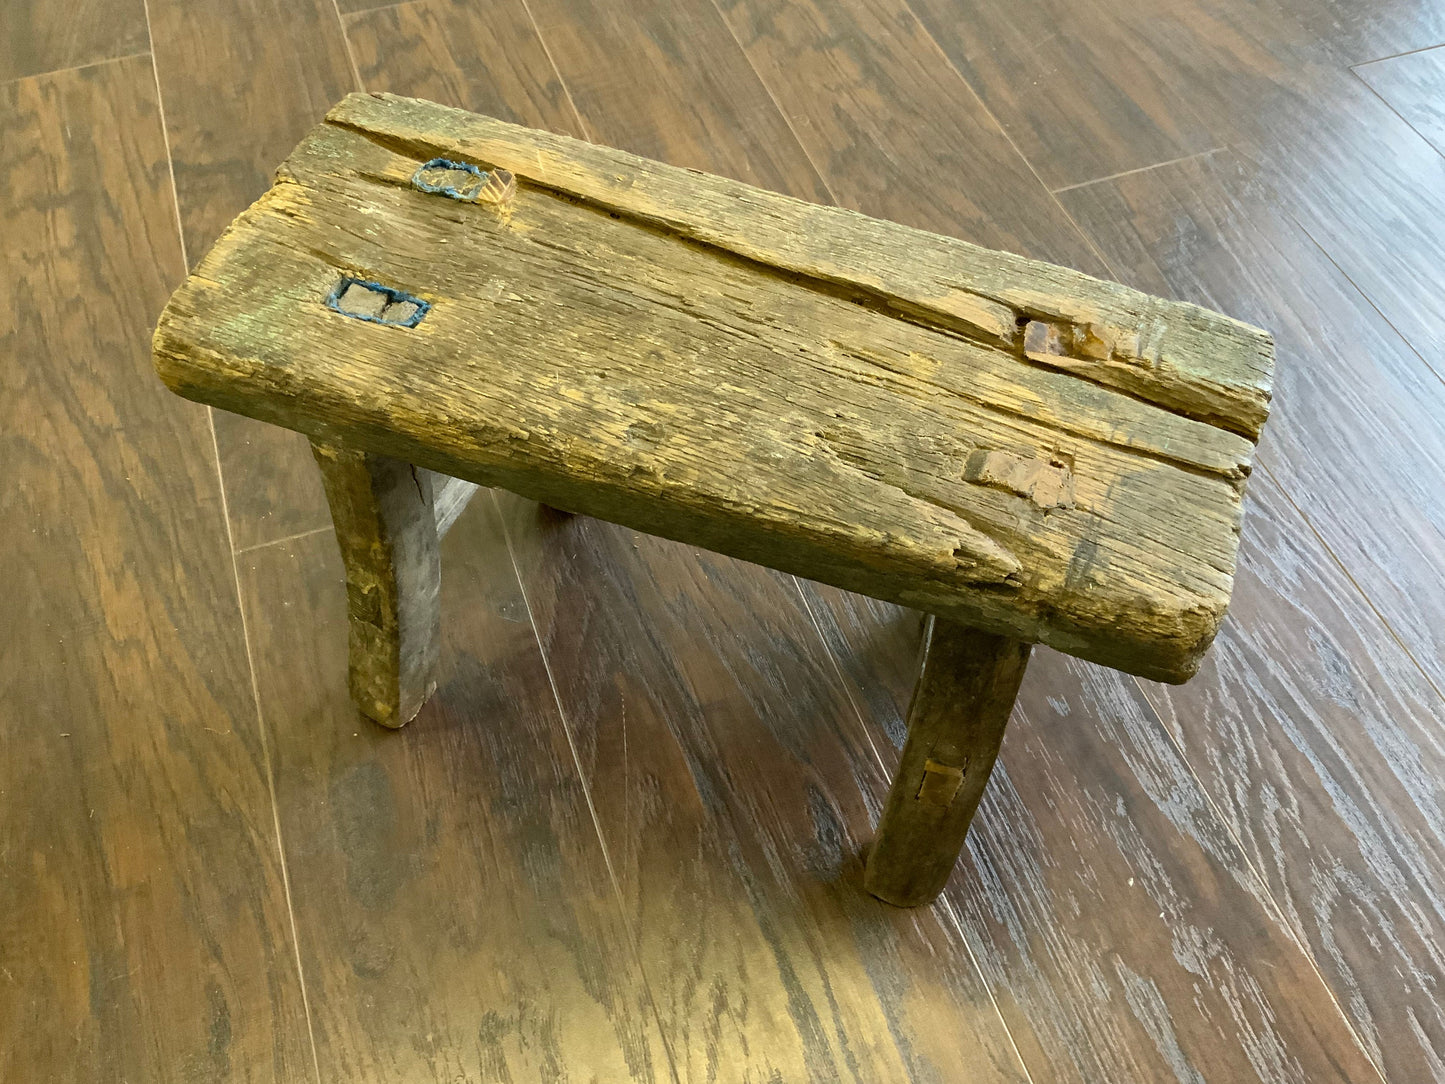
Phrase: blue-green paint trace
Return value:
(464, 181)
(447, 184)
(362, 299)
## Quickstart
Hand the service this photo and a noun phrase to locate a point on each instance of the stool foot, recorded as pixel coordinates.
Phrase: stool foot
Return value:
(967, 682)
(385, 519)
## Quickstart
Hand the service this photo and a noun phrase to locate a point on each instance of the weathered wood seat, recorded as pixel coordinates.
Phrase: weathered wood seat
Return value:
(1025, 452)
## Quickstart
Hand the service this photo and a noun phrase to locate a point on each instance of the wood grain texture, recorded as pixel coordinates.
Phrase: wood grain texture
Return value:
(861, 449)
(1314, 732)
(1361, 32)
(1181, 358)
(1323, 752)
(1121, 930)
(764, 964)
(893, 129)
(488, 59)
(1413, 86)
(146, 933)
(40, 38)
(241, 82)
(385, 519)
(967, 681)
(726, 772)
(1049, 892)
(457, 915)
(1363, 183)
(1356, 439)
(667, 81)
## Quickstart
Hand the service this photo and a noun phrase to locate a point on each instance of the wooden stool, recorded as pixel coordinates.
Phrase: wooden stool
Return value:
(1027, 454)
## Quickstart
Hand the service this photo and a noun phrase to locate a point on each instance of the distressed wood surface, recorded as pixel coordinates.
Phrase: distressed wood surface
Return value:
(967, 681)
(879, 453)
(1177, 356)
(146, 932)
(386, 526)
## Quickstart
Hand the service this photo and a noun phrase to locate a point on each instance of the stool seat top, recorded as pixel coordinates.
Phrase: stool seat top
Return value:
(1007, 443)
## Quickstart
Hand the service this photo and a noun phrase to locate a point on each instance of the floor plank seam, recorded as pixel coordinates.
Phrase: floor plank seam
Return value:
(254, 546)
(346, 44)
(943, 900)
(265, 744)
(1395, 56)
(1361, 291)
(1138, 169)
(52, 72)
(1281, 919)
(582, 128)
(72, 69)
(777, 105)
(362, 13)
(843, 682)
(1391, 107)
(266, 762)
(633, 944)
(1008, 137)
(956, 920)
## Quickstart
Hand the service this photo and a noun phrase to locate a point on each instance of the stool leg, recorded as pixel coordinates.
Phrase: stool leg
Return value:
(386, 527)
(967, 681)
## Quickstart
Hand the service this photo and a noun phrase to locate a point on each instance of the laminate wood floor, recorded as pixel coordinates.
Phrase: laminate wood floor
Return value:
(623, 843)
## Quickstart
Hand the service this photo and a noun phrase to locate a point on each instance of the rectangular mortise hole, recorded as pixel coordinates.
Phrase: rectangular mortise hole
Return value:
(377, 304)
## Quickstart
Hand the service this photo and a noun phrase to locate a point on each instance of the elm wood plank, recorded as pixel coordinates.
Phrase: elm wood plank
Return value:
(146, 932)
(241, 82)
(967, 682)
(455, 910)
(1123, 934)
(724, 769)
(1026, 500)
(892, 128)
(1413, 86)
(489, 60)
(1356, 439)
(1312, 700)
(1178, 357)
(48, 37)
(386, 528)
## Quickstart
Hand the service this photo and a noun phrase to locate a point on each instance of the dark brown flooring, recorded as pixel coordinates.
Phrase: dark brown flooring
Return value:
(623, 842)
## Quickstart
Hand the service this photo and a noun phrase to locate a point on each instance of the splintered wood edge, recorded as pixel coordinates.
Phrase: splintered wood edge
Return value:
(1176, 356)
(1191, 632)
